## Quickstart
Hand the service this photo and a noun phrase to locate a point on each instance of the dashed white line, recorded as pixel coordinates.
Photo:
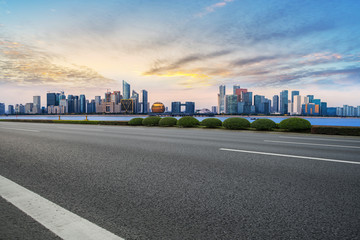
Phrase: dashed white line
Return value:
(322, 139)
(60, 221)
(21, 129)
(312, 144)
(290, 156)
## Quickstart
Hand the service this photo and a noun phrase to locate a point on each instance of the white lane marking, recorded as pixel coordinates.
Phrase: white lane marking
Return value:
(21, 129)
(291, 156)
(312, 144)
(60, 221)
(322, 139)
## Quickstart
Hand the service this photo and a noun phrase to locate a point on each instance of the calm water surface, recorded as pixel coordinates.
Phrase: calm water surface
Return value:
(355, 122)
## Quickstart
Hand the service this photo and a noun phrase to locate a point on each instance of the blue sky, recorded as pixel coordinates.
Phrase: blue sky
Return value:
(180, 50)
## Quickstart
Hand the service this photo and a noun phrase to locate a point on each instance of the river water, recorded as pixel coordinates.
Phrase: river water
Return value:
(328, 121)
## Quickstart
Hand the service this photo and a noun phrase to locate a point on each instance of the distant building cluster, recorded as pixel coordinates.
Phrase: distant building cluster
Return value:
(242, 101)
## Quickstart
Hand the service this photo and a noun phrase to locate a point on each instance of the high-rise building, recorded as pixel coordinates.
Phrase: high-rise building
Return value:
(126, 90)
(50, 99)
(284, 98)
(115, 97)
(11, 109)
(190, 108)
(221, 99)
(176, 107)
(76, 104)
(294, 93)
(135, 98)
(97, 100)
(275, 107)
(70, 102)
(144, 101)
(214, 109)
(258, 99)
(231, 104)
(235, 87)
(2, 108)
(323, 108)
(36, 104)
(297, 104)
(240, 93)
(29, 108)
(311, 97)
(82, 103)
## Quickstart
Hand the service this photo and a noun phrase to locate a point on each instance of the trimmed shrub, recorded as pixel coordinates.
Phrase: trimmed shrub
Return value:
(236, 123)
(263, 124)
(136, 121)
(188, 122)
(295, 124)
(335, 130)
(151, 121)
(167, 122)
(211, 122)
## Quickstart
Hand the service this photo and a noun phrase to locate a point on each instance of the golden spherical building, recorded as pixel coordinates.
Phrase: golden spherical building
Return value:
(158, 107)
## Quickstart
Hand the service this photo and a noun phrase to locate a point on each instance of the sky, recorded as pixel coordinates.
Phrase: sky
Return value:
(180, 50)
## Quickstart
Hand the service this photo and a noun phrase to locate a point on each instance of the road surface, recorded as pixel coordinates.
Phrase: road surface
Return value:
(169, 183)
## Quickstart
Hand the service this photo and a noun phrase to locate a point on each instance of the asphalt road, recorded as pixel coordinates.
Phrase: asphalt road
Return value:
(168, 183)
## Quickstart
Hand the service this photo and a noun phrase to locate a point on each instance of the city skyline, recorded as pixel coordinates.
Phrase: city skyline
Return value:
(180, 50)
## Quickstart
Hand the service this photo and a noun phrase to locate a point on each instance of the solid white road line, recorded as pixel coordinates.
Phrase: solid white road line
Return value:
(312, 144)
(322, 139)
(291, 156)
(60, 221)
(21, 129)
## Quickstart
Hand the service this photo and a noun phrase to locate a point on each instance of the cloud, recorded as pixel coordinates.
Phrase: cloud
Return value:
(162, 67)
(25, 65)
(212, 8)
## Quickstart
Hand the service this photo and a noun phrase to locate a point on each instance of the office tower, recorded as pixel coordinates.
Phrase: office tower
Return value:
(135, 98)
(50, 99)
(190, 108)
(63, 104)
(311, 97)
(57, 98)
(331, 111)
(107, 97)
(221, 99)
(284, 98)
(76, 104)
(36, 104)
(19, 109)
(235, 87)
(294, 93)
(126, 90)
(29, 108)
(2, 108)
(316, 101)
(115, 97)
(176, 107)
(297, 104)
(231, 104)
(323, 108)
(97, 100)
(70, 102)
(240, 93)
(290, 107)
(275, 107)
(11, 109)
(258, 99)
(214, 109)
(82, 103)
(144, 101)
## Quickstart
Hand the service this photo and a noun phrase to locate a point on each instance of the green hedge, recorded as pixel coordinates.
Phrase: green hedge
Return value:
(295, 124)
(188, 122)
(211, 123)
(334, 130)
(136, 121)
(167, 122)
(236, 123)
(151, 121)
(263, 124)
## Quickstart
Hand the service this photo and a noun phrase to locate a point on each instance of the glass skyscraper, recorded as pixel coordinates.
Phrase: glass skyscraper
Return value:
(284, 100)
(231, 104)
(126, 90)
(82, 103)
(221, 99)
(294, 93)
(275, 103)
(145, 106)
